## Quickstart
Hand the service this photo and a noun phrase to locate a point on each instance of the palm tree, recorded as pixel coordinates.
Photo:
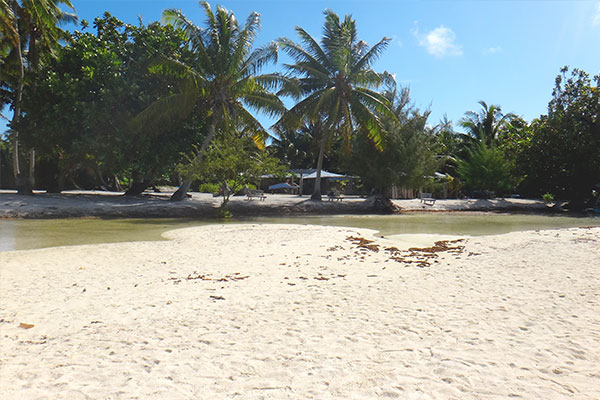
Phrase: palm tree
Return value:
(8, 32)
(333, 81)
(485, 126)
(481, 164)
(295, 147)
(30, 28)
(222, 81)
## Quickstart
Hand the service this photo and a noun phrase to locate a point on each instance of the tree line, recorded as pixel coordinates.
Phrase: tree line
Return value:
(124, 107)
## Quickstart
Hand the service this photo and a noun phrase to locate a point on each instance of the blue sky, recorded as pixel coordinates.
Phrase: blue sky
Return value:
(450, 53)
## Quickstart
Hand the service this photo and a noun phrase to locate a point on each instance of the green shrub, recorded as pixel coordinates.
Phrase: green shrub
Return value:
(224, 213)
(548, 198)
(209, 187)
(235, 186)
(486, 169)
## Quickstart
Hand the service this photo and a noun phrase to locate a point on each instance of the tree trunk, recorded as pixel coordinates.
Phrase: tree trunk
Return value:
(226, 193)
(74, 184)
(382, 204)
(99, 178)
(16, 147)
(61, 175)
(24, 181)
(57, 184)
(20, 180)
(117, 184)
(317, 192)
(137, 186)
(24, 186)
(181, 193)
(32, 167)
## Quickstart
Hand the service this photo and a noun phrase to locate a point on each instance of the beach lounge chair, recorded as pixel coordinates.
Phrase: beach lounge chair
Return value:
(252, 193)
(332, 196)
(427, 199)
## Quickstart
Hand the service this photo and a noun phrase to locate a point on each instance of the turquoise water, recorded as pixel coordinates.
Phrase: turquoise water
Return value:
(19, 234)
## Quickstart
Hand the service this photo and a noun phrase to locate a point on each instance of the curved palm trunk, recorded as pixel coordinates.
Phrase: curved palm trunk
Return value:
(317, 192)
(33, 61)
(181, 193)
(22, 182)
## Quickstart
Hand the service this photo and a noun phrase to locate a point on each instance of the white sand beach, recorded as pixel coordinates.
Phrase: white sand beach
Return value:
(304, 312)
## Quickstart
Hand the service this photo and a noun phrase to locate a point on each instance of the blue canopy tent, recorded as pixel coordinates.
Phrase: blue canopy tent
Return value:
(305, 174)
(283, 185)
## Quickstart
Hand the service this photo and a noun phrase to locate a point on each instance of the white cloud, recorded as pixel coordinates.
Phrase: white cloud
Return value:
(440, 42)
(492, 50)
(596, 17)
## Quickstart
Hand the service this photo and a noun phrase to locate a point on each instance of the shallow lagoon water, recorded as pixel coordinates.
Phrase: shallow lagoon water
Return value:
(23, 234)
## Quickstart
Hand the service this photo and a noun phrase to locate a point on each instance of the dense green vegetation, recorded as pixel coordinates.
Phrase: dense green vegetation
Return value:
(81, 104)
(559, 153)
(406, 157)
(29, 33)
(124, 107)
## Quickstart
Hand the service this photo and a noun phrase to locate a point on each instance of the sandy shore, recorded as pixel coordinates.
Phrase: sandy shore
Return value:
(286, 311)
(76, 204)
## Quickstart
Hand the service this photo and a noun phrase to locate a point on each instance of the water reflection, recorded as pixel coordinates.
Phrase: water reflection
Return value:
(472, 224)
(30, 234)
(8, 235)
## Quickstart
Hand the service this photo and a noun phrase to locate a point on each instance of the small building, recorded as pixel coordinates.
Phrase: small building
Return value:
(305, 179)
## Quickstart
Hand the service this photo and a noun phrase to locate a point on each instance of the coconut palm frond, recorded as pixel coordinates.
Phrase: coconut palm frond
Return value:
(7, 22)
(161, 114)
(258, 59)
(270, 82)
(290, 87)
(367, 79)
(265, 102)
(375, 101)
(258, 134)
(304, 57)
(314, 49)
(309, 106)
(369, 123)
(309, 71)
(373, 54)
(67, 18)
(194, 34)
(176, 69)
(252, 26)
(486, 125)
